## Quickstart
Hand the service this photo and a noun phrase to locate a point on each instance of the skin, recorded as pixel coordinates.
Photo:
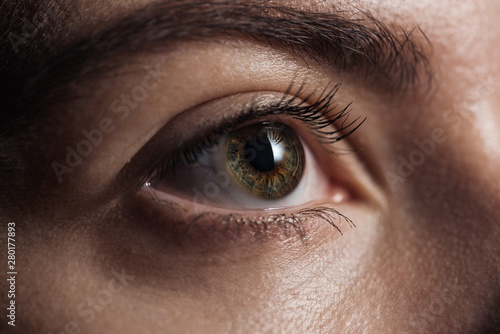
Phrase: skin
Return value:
(424, 256)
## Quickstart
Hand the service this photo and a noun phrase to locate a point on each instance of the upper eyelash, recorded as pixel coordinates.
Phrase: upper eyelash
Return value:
(318, 116)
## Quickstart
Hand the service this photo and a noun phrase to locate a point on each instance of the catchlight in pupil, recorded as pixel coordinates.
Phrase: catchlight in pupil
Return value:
(262, 153)
(267, 159)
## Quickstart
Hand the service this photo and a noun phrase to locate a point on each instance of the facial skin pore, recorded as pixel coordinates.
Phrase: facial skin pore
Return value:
(424, 256)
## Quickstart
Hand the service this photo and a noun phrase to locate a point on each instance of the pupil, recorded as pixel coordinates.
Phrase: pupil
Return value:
(260, 154)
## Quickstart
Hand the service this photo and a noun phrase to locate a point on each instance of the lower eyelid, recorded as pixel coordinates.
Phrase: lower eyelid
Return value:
(196, 227)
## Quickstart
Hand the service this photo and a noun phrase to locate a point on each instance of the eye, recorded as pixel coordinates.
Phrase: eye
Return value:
(257, 166)
(273, 159)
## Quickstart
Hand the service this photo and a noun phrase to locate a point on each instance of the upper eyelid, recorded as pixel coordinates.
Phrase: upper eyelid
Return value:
(316, 117)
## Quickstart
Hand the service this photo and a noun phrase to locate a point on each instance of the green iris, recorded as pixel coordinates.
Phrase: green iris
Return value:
(267, 159)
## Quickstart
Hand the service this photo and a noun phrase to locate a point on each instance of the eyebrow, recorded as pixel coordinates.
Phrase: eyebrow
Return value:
(345, 41)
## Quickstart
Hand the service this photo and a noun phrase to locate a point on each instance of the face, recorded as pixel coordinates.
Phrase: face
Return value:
(285, 166)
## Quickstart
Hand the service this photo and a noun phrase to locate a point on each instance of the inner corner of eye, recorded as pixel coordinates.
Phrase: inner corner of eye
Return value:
(256, 166)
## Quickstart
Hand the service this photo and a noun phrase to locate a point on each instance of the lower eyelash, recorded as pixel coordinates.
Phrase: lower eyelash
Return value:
(259, 226)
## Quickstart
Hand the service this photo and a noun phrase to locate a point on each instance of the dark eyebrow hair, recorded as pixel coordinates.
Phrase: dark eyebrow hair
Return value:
(344, 40)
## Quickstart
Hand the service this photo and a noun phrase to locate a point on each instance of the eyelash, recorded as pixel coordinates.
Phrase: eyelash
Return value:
(318, 116)
(232, 225)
